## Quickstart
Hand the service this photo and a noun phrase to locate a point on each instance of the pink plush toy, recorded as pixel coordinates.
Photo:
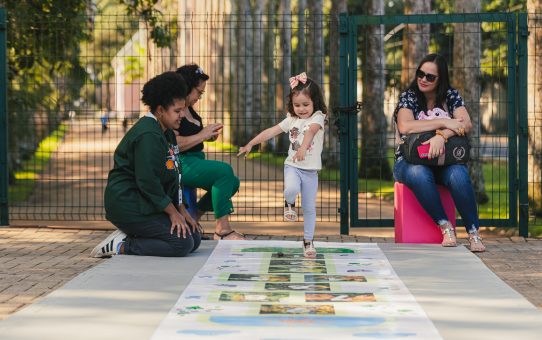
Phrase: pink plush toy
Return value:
(436, 113)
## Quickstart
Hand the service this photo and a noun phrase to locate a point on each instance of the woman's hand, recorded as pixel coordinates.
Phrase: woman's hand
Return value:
(436, 146)
(456, 125)
(211, 131)
(244, 150)
(178, 223)
(196, 227)
(299, 154)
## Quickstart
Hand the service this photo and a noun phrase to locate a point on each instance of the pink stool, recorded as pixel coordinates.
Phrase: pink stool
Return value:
(412, 223)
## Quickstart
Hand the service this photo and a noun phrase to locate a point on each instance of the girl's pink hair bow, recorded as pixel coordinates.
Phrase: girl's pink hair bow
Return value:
(294, 81)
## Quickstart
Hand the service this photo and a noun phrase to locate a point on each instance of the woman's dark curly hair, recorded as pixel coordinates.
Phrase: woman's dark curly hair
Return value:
(311, 89)
(163, 89)
(192, 74)
(443, 80)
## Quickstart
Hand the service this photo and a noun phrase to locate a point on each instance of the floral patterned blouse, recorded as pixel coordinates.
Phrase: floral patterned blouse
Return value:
(408, 100)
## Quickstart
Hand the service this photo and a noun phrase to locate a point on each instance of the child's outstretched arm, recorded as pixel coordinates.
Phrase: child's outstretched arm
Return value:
(307, 140)
(260, 138)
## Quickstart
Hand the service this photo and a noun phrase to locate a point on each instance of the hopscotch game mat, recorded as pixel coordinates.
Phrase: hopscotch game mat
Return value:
(268, 290)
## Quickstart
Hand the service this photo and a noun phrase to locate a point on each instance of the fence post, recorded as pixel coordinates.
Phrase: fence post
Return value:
(512, 33)
(523, 126)
(343, 119)
(4, 175)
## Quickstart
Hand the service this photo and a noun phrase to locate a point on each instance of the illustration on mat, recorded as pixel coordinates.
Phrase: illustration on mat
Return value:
(272, 292)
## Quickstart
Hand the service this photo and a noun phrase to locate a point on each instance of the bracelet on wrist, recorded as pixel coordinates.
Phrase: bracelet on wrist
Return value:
(440, 133)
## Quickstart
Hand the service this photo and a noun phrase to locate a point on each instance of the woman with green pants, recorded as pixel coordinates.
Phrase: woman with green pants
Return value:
(217, 178)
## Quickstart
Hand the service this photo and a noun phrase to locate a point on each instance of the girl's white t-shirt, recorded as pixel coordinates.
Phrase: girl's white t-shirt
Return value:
(296, 127)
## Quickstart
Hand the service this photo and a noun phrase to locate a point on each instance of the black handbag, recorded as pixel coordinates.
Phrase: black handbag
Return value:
(456, 150)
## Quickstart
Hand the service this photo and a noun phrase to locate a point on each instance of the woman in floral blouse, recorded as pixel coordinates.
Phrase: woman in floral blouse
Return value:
(431, 104)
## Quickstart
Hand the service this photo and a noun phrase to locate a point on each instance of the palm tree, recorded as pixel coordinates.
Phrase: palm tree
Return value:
(535, 105)
(337, 7)
(467, 75)
(374, 163)
(415, 40)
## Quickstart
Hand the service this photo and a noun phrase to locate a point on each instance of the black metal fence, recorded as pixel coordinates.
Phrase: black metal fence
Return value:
(388, 50)
(64, 172)
(60, 153)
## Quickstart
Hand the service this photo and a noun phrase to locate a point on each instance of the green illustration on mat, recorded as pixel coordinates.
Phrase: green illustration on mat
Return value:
(297, 269)
(297, 286)
(298, 250)
(340, 297)
(298, 309)
(253, 297)
(260, 277)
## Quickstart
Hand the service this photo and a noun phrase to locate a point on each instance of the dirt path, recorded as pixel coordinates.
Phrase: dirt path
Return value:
(71, 189)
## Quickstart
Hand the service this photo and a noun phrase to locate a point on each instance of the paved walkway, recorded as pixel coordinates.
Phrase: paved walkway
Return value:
(36, 261)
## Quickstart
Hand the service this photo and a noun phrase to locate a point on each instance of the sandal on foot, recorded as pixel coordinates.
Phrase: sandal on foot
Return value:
(308, 249)
(289, 214)
(448, 235)
(231, 235)
(476, 245)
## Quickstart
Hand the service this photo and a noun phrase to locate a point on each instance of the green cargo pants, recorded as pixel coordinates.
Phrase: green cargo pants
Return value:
(216, 177)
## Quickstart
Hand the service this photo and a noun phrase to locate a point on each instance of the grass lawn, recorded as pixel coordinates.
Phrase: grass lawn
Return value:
(25, 178)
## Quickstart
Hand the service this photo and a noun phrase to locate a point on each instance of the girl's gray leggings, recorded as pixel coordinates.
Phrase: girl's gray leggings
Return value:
(305, 182)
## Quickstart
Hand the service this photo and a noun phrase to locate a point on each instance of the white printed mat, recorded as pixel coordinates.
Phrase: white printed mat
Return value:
(267, 290)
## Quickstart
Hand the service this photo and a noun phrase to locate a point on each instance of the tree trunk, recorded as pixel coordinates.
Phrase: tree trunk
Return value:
(300, 63)
(337, 7)
(247, 49)
(534, 82)
(315, 50)
(416, 39)
(257, 70)
(374, 163)
(285, 27)
(270, 92)
(466, 62)
(238, 76)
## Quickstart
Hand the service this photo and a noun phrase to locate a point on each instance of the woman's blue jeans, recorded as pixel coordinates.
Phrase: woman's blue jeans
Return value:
(423, 180)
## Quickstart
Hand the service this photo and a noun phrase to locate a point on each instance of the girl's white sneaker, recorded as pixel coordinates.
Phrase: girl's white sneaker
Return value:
(308, 249)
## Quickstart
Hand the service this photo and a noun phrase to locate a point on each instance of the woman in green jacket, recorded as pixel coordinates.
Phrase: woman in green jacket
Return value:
(143, 195)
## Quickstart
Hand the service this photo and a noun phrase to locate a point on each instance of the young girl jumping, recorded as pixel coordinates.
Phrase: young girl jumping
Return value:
(305, 127)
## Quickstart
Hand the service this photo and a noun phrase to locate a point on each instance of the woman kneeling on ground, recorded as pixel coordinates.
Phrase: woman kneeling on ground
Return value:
(428, 93)
(143, 197)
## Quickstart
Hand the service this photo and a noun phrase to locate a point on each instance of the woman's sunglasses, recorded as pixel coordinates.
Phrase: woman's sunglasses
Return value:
(428, 76)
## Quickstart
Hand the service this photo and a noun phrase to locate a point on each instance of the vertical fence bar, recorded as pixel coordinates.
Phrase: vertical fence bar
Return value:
(353, 121)
(511, 24)
(352, 126)
(523, 133)
(4, 175)
(343, 119)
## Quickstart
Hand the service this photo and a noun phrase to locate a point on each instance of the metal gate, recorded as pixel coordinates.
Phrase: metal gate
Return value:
(500, 146)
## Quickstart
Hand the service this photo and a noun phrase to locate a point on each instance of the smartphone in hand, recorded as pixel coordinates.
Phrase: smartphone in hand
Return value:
(423, 150)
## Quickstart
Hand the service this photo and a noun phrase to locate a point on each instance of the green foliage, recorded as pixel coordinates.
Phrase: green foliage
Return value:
(535, 229)
(134, 68)
(44, 72)
(503, 5)
(161, 32)
(112, 28)
(26, 176)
